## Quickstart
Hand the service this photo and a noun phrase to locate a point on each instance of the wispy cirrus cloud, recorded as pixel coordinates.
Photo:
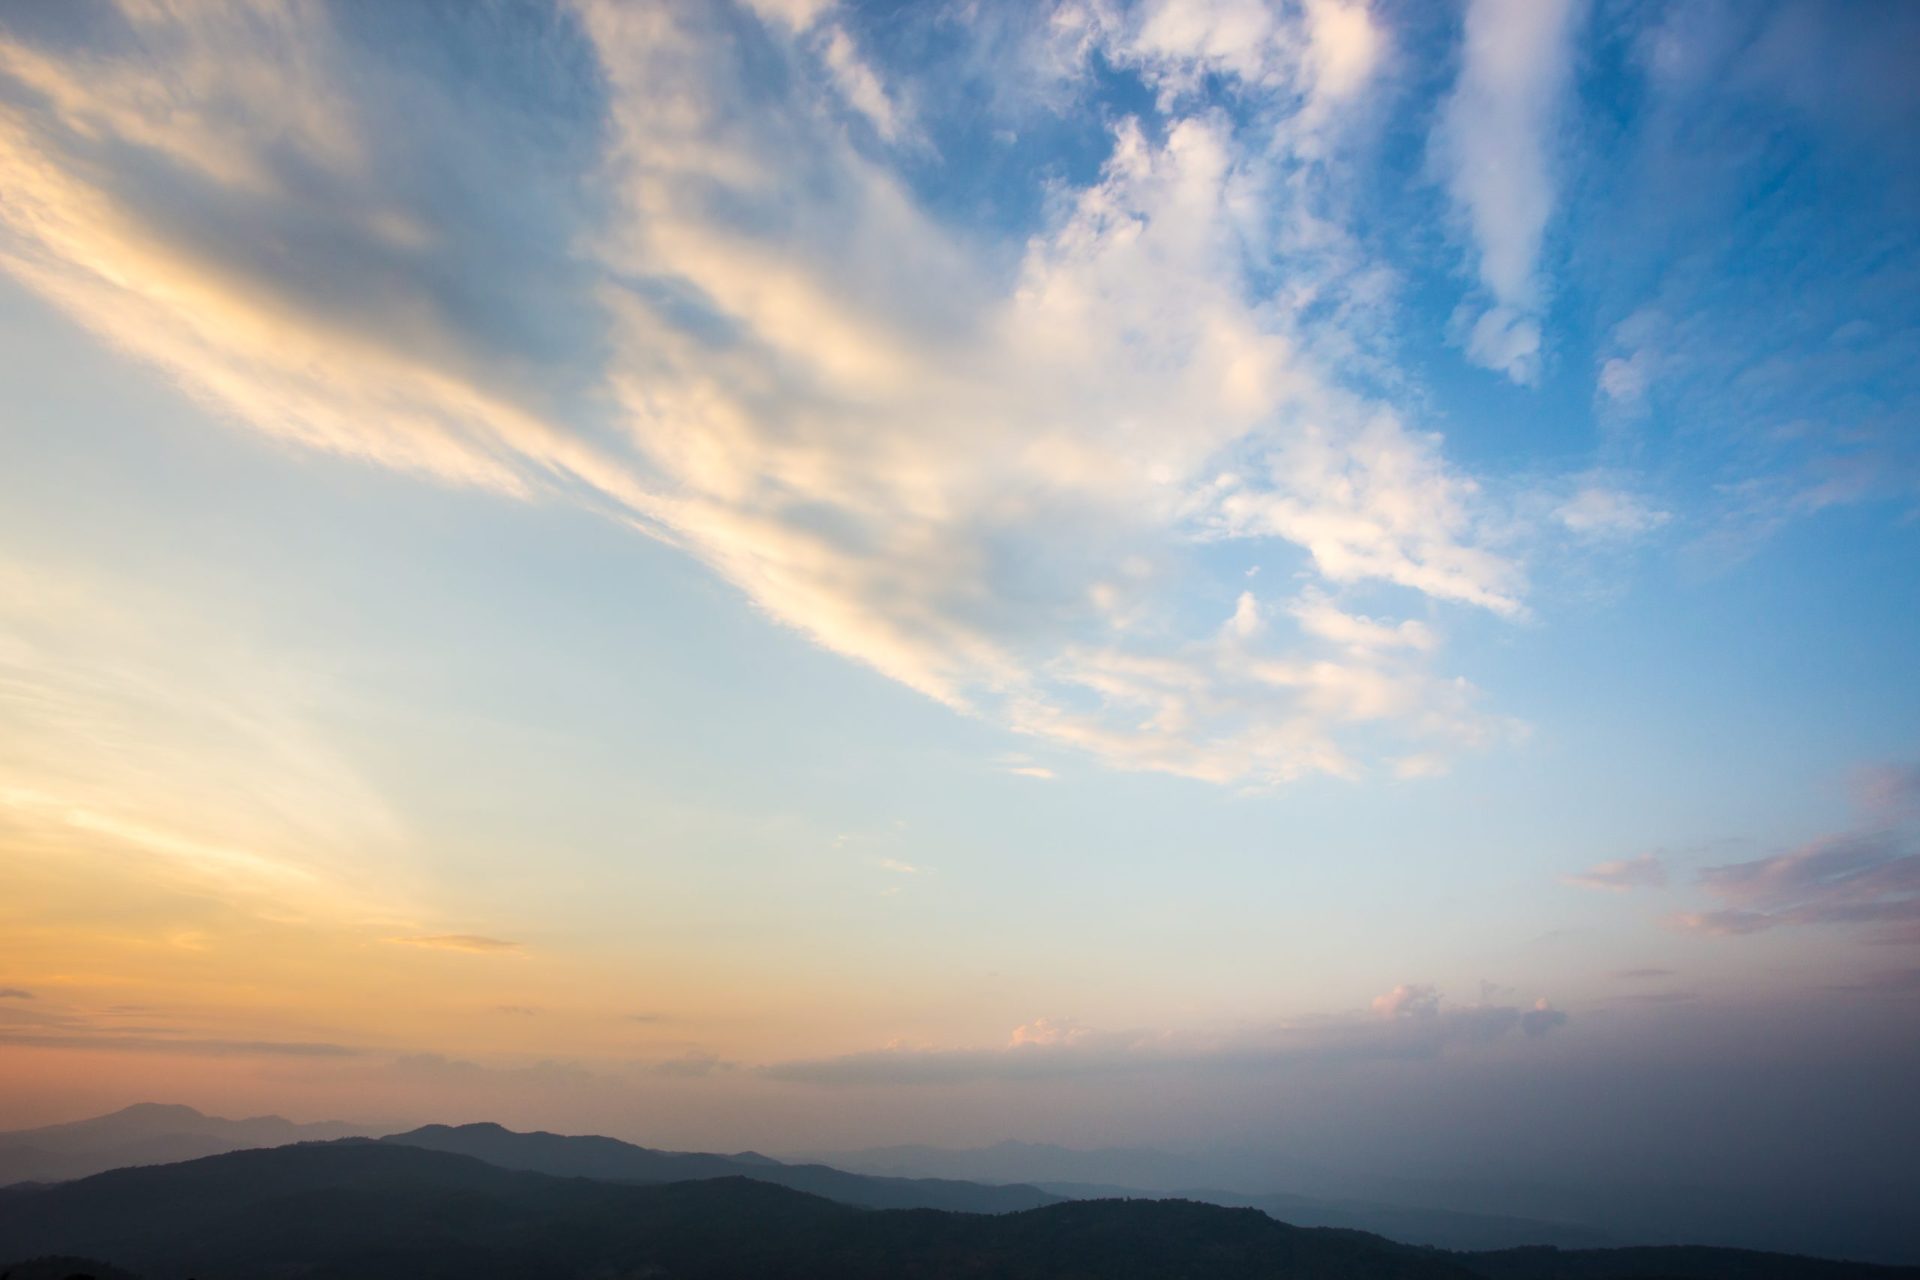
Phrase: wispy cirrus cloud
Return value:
(132, 729)
(196, 1046)
(477, 943)
(997, 473)
(1789, 412)
(1868, 876)
(1871, 878)
(1495, 145)
(61, 1026)
(1600, 513)
(1888, 792)
(1885, 982)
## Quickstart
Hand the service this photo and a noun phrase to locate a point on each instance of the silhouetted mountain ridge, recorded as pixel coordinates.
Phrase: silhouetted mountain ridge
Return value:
(361, 1210)
(1136, 1171)
(609, 1158)
(146, 1133)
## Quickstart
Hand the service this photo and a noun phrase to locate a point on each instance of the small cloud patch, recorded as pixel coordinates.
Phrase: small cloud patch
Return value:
(1643, 872)
(473, 942)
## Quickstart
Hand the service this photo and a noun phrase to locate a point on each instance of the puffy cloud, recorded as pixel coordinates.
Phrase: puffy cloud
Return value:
(1644, 872)
(1416, 1000)
(1494, 144)
(1047, 1031)
(15, 993)
(1325, 53)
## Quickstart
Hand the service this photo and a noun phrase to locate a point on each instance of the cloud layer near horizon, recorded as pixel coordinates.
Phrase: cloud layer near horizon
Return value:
(1408, 1023)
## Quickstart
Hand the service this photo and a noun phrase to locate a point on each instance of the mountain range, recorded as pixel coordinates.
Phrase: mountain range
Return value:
(981, 1181)
(1134, 1171)
(147, 1133)
(1464, 1209)
(366, 1210)
(610, 1159)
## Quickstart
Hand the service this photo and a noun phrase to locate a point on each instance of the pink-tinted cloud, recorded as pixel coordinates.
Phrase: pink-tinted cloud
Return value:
(1643, 872)
(1888, 791)
(1870, 878)
(1408, 1000)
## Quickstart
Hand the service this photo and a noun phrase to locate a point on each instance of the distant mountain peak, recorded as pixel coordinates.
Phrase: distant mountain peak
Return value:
(157, 1111)
(144, 1133)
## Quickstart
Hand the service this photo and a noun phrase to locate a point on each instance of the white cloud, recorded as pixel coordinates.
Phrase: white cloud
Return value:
(1024, 767)
(1318, 616)
(1420, 766)
(1047, 1031)
(860, 85)
(994, 479)
(1494, 144)
(1083, 415)
(1327, 52)
(1598, 512)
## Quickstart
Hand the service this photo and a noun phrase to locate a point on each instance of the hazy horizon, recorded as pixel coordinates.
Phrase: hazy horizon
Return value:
(1325, 578)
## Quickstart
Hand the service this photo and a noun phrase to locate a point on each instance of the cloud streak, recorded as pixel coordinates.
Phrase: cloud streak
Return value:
(472, 942)
(1057, 1049)
(1857, 879)
(1494, 144)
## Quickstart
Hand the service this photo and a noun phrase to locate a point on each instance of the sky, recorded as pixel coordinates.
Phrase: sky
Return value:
(1334, 578)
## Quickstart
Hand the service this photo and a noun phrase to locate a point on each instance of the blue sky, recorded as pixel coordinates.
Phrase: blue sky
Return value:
(806, 551)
